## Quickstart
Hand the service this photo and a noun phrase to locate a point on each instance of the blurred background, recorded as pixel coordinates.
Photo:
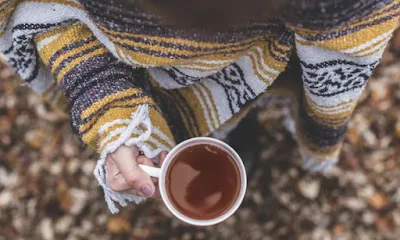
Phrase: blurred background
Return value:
(47, 190)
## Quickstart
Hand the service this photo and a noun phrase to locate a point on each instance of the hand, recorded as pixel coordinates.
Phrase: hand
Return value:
(125, 176)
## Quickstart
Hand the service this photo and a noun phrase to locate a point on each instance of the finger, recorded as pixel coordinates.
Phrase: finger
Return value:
(163, 155)
(157, 193)
(146, 161)
(126, 160)
(115, 179)
(133, 192)
(142, 159)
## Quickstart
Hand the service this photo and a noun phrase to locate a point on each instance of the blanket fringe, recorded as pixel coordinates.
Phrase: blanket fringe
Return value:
(140, 117)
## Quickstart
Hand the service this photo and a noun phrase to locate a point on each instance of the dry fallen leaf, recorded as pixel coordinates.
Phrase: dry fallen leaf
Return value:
(379, 92)
(35, 138)
(353, 135)
(118, 224)
(338, 230)
(64, 195)
(5, 125)
(397, 129)
(378, 200)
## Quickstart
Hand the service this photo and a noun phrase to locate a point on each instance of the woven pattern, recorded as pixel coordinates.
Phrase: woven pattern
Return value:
(130, 80)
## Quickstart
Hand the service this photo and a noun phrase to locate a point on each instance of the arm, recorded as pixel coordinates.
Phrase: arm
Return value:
(110, 102)
(111, 106)
(336, 64)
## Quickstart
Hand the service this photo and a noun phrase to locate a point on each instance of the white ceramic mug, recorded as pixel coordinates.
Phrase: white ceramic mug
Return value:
(161, 174)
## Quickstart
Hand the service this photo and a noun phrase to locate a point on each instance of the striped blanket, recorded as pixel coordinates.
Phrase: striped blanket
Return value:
(126, 78)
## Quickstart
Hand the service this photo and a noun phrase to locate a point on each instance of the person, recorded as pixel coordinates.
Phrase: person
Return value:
(139, 76)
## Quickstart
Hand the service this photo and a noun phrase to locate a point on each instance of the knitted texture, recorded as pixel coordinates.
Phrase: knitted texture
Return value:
(131, 80)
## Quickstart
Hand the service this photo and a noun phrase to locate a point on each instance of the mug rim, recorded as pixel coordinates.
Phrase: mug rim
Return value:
(167, 162)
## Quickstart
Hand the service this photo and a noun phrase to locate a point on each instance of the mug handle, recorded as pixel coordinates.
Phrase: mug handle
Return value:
(152, 171)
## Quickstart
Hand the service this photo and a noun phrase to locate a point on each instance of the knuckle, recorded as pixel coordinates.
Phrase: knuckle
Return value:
(133, 180)
(114, 186)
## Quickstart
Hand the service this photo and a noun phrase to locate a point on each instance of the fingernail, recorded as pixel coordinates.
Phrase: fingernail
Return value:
(146, 190)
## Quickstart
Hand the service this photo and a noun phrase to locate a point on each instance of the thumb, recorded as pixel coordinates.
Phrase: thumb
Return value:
(126, 160)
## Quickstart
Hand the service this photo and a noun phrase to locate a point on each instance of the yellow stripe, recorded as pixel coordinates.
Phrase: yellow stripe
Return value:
(42, 36)
(261, 59)
(159, 121)
(118, 105)
(198, 112)
(311, 102)
(207, 109)
(91, 136)
(272, 50)
(372, 53)
(183, 42)
(354, 39)
(255, 69)
(272, 62)
(104, 101)
(7, 15)
(72, 52)
(68, 36)
(170, 50)
(79, 60)
(327, 110)
(214, 106)
(150, 141)
(202, 70)
(369, 47)
(184, 54)
(205, 66)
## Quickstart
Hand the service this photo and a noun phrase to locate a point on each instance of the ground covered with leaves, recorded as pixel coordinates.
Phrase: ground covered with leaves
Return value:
(47, 190)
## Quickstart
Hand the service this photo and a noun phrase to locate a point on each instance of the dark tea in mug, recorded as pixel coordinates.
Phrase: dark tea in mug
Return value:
(203, 181)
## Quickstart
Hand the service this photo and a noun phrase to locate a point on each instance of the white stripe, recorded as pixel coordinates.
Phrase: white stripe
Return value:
(163, 136)
(57, 97)
(112, 134)
(257, 85)
(127, 59)
(105, 126)
(211, 69)
(74, 1)
(152, 140)
(46, 41)
(377, 47)
(209, 103)
(334, 110)
(271, 70)
(134, 62)
(223, 102)
(204, 107)
(214, 61)
(195, 72)
(258, 68)
(119, 131)
(366, 45)
(339, 98)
